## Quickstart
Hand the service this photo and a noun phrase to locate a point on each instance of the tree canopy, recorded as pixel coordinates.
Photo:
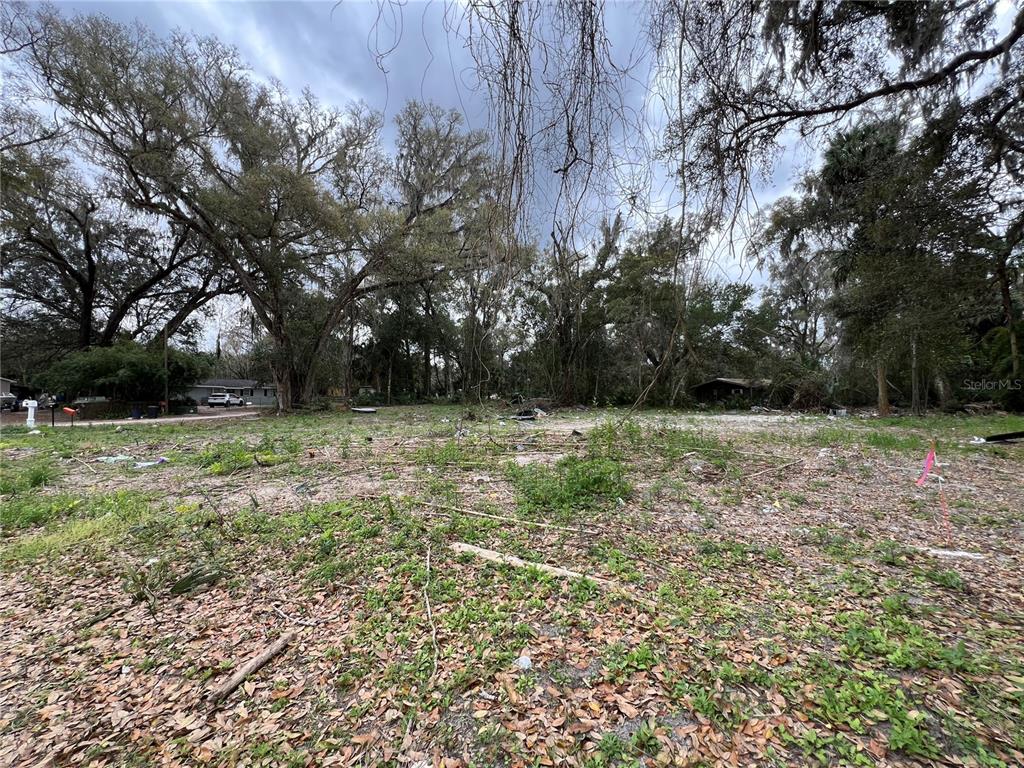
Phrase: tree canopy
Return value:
(163, 175)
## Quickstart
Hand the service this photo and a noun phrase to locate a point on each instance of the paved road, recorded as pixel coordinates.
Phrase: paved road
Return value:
(17, 419)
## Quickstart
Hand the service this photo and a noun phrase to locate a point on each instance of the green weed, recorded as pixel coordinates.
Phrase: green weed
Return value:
(570, 485)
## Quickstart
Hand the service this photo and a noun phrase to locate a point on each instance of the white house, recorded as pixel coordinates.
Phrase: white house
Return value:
(250, 390)
(7, 398)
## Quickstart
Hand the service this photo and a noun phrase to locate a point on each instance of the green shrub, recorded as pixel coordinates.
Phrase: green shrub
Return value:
(17, 477)
(571, 484)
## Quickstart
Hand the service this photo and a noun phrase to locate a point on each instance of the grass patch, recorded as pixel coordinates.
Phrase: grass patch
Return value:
(901, 642)
(622, 663)
(230, 457)
(74, 522)
(19, 477)
(571, 485)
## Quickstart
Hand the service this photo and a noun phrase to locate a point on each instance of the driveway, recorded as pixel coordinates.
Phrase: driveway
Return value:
(17, 419)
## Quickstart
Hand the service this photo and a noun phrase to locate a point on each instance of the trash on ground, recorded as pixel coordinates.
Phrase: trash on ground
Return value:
(956, 554)
(363, 410)
(114, 459)
(1003, 438)
(144, 464)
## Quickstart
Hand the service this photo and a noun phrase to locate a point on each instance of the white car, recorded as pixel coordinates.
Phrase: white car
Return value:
(226, 399)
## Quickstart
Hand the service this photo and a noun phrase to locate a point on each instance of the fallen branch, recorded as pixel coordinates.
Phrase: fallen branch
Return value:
(106, 613)
(86, 465)
(294, 620)
(498, 557)
(506, 519)
(774, 469)
(221, 693)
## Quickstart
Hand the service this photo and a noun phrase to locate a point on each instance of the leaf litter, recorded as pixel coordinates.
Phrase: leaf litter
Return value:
(752, 595)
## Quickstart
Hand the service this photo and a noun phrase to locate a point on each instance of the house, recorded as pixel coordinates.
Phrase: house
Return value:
(7, 398)
(250, 390)
(724, 389)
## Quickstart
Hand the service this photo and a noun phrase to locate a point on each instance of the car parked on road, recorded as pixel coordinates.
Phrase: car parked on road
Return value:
(226, 399)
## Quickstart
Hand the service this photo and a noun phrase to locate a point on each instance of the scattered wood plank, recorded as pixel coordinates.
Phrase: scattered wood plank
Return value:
(499, 557)
(219, 694)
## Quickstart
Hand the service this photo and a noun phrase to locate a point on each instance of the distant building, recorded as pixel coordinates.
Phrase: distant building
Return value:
(7, 398)
(251, 390)
(725, 389)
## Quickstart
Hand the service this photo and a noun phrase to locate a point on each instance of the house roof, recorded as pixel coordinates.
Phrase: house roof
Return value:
(745, 383)
(7, 378)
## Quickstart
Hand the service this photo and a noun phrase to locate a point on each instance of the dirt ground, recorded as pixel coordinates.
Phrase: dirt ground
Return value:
(743, 590)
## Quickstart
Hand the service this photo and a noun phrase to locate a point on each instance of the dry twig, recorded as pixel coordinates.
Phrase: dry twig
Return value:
(219, 694)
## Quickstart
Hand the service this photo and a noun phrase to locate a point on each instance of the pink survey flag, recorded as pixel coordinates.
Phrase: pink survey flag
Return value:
(928, 462)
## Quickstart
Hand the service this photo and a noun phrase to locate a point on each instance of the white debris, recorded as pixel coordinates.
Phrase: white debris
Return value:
(956, 554)
(524, 663)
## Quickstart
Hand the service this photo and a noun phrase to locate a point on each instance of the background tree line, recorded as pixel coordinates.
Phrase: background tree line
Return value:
(161, 174)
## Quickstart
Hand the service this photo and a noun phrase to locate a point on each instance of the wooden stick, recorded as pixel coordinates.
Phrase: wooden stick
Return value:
(520, 521)
(106, 613)
(292, 619)
(774, 469)
(498, 557)
(221, 693)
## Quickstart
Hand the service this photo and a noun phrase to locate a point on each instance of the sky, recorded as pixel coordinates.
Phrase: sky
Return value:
(332, 48)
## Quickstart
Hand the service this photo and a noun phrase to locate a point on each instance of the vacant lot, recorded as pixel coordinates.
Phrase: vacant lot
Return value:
(753, 591)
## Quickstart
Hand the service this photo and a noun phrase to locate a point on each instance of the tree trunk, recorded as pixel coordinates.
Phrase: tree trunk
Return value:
(1002, 273)
(350, 352)
(428, 310)
(883, 389)
(306, 391)
(283, 381)
(391, 366)
(916, 406)
(942, 389)
(85, 319)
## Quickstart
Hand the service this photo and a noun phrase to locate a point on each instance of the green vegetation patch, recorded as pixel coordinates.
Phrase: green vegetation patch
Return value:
(572, 484)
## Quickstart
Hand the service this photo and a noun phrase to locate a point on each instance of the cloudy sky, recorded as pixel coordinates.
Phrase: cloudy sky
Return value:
(333, 49)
